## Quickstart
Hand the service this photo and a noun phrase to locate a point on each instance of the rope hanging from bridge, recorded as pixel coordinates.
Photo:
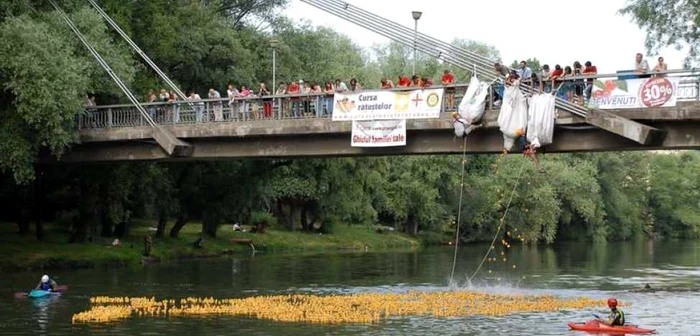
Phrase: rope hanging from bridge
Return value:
(500, 223)
(459, 216)
(459, 209)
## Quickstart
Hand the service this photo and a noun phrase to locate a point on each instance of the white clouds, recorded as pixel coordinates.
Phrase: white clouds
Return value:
(554, 31)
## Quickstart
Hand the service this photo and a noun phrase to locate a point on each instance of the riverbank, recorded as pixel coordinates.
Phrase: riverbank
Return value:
(24, 253)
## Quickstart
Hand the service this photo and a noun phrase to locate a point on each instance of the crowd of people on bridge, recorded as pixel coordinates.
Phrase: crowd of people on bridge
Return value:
(572, 83)
(302, 105)
(565, 81)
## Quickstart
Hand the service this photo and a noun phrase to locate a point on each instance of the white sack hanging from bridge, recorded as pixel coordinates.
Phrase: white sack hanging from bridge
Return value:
(540, 124)
(512, 120)
(474, 102)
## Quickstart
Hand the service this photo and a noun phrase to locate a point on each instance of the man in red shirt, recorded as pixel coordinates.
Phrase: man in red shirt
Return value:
(403, 81)
(554, 76)
(448, 79)
(294, 89)
(590, 69)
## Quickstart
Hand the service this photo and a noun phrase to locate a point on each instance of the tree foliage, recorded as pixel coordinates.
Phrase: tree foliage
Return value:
(45, 79)
(204, 44)
(668, 23)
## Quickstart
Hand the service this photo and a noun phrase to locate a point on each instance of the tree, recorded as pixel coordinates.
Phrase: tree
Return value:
(668, 23)
(533, 63)
(394, 59)
(45, 79)
(317, 54)
(248, 11)
(480, 48)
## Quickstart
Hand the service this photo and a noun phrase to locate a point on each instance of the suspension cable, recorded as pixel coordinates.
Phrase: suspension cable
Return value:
(104, 64)
(140, 52)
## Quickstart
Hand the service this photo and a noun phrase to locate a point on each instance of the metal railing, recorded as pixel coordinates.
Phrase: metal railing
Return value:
(291, 107)
(265, 108)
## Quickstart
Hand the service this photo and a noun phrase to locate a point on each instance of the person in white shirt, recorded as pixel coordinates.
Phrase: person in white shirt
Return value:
(640, 65)
(524, 72)
(218, 111)
(194, 97)
(340, 86)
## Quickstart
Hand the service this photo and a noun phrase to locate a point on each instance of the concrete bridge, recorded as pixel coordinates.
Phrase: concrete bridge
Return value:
(118, 132)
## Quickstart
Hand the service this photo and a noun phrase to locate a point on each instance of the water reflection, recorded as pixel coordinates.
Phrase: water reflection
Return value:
(42, 309)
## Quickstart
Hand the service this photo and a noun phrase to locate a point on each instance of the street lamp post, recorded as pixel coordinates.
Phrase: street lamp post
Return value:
(416, 17)
(273, 45)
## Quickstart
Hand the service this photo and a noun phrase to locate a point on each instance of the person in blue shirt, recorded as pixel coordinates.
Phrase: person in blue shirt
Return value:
(46, 284)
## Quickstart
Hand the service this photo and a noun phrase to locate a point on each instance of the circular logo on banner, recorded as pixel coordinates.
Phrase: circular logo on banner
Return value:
(656, 92)
(433, 100)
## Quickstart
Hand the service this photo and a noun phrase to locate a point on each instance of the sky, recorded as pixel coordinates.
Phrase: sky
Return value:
(566, 30)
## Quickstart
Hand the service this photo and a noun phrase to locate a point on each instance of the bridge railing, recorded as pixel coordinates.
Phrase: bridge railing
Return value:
(274, 107)
(288, 107)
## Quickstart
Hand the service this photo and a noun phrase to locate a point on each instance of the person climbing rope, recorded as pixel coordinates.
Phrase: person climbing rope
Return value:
(462, 126)
(528, 149)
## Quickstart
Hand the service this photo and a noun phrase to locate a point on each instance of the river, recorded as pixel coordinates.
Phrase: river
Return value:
(567, 269)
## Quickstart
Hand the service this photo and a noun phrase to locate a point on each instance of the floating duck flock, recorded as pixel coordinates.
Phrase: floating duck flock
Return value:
(330, 309)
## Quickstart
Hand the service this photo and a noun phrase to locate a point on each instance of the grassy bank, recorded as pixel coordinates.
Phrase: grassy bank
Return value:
(17, 252)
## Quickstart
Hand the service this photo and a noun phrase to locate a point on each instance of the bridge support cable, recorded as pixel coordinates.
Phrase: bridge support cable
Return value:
(462, 58)
(138, 50)
(167, 141)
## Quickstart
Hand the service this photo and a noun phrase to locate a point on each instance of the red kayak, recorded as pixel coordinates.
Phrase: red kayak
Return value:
(595, 326)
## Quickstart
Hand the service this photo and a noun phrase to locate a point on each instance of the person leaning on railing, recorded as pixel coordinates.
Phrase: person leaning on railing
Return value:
(578, 83)
(661, 66)
(499, 88)
(327, 100)
(545, 79)
(267, 103)
(589, 70)
(447, 80)
(284, 103)
(404, 81)
(387, 83)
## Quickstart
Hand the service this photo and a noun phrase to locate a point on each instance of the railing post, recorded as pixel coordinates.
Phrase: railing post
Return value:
(109, 118)
(279, 108)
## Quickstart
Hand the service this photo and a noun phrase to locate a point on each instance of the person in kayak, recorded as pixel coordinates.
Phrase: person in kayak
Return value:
(46, 284)
(616, 318)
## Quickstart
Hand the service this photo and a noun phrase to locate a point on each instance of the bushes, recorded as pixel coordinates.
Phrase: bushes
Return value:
(261, 220)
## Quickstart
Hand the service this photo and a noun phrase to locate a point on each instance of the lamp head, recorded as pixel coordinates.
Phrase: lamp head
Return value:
(273, 43)
(416, 15)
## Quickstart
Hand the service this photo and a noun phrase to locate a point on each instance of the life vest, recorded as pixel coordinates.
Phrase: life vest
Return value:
(617, 317)
(45, 286)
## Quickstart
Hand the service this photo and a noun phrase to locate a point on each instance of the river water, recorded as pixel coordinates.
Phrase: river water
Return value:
(570, 269)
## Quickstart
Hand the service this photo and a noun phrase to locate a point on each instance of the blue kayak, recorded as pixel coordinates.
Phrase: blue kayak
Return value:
(37, 293)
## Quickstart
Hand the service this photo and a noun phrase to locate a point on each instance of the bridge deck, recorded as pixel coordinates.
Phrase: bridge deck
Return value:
(319, 137)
